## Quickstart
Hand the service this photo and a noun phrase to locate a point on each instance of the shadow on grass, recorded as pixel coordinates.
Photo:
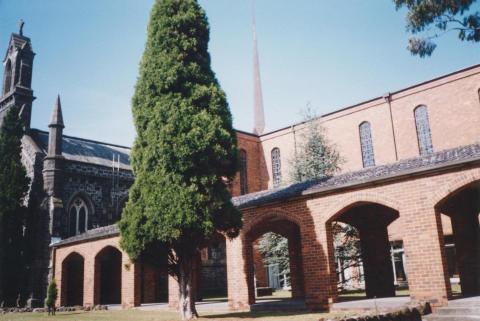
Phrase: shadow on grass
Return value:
(256, 314)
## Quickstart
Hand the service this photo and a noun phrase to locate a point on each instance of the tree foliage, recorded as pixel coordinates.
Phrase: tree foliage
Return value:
(14, 185)
(315, 157)
(52, 293)
(185, 149)
(435, 18)
(346, 241)
(274, 249)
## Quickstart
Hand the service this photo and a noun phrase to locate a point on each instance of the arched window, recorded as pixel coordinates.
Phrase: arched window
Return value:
(366, 143)
(424, 136)
(78, 217)
(7, 80)
(276, 167)
(243, 172)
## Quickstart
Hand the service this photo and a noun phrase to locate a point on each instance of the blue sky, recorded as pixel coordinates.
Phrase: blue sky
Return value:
(330, 54)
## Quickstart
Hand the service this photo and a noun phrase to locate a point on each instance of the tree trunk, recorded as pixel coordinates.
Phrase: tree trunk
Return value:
(186, 289)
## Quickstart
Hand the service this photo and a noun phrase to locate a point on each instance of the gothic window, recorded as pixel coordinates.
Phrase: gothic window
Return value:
(366, 144)
(423, 130)
(276, 167)
(78, 217)
(7, 81)
(243, 172)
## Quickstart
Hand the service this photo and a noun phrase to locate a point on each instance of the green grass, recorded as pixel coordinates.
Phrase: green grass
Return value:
(136, 315)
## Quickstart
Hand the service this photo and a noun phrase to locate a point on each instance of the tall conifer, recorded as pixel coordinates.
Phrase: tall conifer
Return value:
(13, 188)
(185, 149)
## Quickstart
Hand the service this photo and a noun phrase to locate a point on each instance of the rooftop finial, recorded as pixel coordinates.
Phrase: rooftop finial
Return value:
(57, 117)
(21, 23)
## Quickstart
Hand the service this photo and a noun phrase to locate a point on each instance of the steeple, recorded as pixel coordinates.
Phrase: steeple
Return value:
(17, 76)
(55, 132)
(259, 115)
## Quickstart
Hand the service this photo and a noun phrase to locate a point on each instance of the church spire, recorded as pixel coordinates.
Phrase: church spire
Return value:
(259, 115)
(56, 130)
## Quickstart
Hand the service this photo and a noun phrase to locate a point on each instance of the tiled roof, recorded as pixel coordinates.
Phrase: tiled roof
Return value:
(97, 233)
(414, 165)
(87, 151)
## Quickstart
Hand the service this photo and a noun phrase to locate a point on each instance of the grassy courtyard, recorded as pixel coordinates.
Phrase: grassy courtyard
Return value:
(136, 315)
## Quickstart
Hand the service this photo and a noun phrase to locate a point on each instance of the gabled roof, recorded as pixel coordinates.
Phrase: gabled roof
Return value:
(86, 151)
(414, 166)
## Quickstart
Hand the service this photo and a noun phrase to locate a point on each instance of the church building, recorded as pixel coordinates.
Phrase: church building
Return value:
(409, 183)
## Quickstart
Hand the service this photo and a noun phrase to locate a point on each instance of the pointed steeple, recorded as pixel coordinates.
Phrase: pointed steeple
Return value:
(55, 133)
(57, 117)
(259, 115)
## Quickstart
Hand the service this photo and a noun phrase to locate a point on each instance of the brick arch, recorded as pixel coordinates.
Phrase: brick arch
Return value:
(276, 213)
(106, 247)
(108, 275)
(354, 199)
(460, 182)
(72, 279)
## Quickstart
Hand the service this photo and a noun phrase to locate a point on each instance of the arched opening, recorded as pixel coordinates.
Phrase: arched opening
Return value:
(460, 223)
(7, 81)
(72, 280)
(368, 263)
(274, 262)
(212, 273)
(108, 276)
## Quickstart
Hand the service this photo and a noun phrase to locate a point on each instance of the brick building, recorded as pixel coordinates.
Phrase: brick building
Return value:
(410, 180)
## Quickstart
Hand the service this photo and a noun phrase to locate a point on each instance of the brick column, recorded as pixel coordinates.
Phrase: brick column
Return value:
(239, 295)
(172, 293)
(131, 289)
(296, 273)
(426, 266)
(377, 263)
(89, 281)
(467, 246)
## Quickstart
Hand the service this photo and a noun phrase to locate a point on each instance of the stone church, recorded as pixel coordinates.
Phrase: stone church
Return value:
(409, 183)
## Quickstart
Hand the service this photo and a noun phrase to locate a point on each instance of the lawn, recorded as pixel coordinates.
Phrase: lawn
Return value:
(136, 315)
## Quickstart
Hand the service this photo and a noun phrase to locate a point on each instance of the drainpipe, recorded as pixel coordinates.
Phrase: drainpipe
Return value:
(388, 99)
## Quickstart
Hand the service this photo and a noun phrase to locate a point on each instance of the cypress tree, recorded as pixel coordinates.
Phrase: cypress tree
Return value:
(13, 188)
(185, 150)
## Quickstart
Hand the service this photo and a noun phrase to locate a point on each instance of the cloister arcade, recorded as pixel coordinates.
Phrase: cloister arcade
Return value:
(411, 206)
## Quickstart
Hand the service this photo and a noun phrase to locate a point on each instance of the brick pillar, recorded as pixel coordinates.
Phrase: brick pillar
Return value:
(296, 273)
(89, 281)
(318, 292)
(466, 233)
(426, 264)
(260, 269)
(172, 293)
(131, 289)
(377, 263)
(240, 290)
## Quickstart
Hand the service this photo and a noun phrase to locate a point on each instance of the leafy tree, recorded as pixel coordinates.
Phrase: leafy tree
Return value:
(52, 295)
(315, 158)
(185, 150)
(346, 241)
(442, 16)
(274, 249)
(14, 185)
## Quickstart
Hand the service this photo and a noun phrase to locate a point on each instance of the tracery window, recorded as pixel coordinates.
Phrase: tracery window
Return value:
(366, 144)
(78, 217)
(243, 172)
(7, 83)
(276, 167)
(424, 136)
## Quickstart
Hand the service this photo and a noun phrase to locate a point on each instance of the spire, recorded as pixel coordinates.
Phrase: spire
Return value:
(57, 118)
(259, 115)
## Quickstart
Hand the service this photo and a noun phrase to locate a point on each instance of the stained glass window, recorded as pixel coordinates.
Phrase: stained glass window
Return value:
(243, 172)
(423, 130)
(276, 167)
(366, 144)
